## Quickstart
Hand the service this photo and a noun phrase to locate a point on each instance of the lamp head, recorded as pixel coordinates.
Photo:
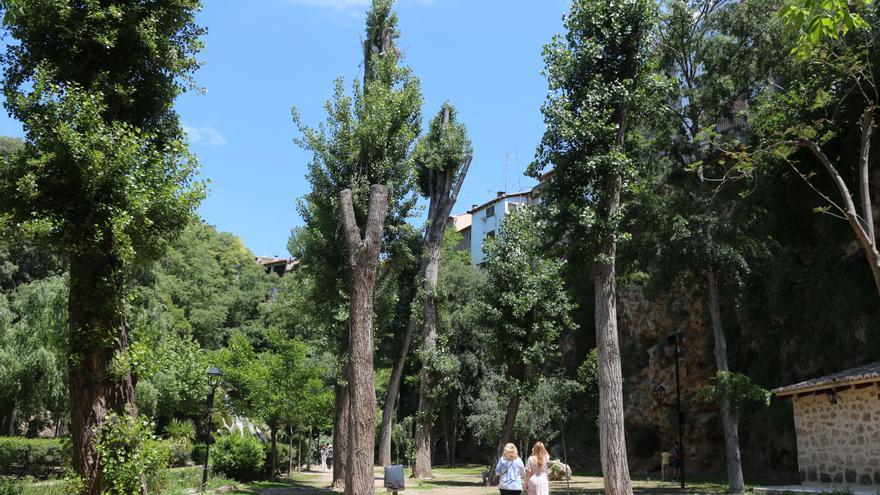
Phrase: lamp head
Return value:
(214, 376)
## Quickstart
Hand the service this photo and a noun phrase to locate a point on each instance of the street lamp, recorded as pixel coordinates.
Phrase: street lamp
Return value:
(214, 377)
(672, 339)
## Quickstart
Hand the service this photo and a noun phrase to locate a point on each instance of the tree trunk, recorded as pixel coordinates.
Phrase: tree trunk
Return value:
(97, 333)
(729, 414)
(611, 415)
(340, 436)
(363, 258)
(309, 451)
(13, 418)
(392, 392)
(453, 442)
(290, 452)
(505, 437)
(273, 449)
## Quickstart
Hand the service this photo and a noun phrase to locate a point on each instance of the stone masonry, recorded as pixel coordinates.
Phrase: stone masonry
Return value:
(838, 436)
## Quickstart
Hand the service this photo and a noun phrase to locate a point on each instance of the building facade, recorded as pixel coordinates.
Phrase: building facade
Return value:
(486, 219)
(837, 422)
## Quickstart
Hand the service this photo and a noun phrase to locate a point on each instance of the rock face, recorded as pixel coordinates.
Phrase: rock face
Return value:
(558, 471)
(838, 441)
(649, 374)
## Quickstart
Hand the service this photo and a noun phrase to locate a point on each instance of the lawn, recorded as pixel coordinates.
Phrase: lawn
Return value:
(457, 481)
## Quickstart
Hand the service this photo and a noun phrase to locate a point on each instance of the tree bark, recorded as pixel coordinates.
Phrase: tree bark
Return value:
(506, 435)
(273, 452)
(340, 436)
(363, 258)
(729, 414)
(290, 452)
(391, 394)
(444, 188)
(13, 418)
(309, 447)
(97, 333)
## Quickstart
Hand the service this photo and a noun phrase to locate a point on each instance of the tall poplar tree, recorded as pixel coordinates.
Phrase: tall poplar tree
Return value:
(598, 74)
(367, 139)
(442, 158)
(104, 174)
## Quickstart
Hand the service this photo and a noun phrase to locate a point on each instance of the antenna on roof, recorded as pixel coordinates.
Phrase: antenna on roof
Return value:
(506, 160)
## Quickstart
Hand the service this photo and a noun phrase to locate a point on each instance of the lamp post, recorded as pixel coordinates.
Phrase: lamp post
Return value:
(214, 377)
(673, 340)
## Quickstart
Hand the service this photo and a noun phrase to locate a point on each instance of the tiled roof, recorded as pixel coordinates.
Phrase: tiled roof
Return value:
(862, 374)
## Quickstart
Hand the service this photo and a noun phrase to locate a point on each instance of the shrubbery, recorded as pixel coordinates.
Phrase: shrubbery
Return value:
(131, 456)
(30, 456)
(239, 457)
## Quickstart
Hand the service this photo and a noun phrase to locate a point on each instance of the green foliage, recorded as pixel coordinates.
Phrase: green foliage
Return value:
(736, 388)
(105, 174)
(367, 138)
(240, 457)
(198, 453)
(525, 305)
(11, 487)
(588, 374)
(30, 456)
(599, 78)
(442, 150)
(33, 377)
(402, 435)
(813, 20)
(181, 435)
(131, 456)
(211, 287)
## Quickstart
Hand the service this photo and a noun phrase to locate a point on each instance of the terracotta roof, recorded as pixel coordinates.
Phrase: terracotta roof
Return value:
(863, 374)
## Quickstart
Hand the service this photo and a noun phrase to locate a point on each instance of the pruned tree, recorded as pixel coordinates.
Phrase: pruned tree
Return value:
(599, 76)
(104, 175)
(442, 159)
(363, 243)
(367, 139)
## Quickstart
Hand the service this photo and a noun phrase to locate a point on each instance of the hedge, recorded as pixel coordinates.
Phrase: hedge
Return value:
(30, 456)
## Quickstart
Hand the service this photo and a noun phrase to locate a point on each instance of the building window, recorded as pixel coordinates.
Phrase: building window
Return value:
(490, 234)
(490, 211)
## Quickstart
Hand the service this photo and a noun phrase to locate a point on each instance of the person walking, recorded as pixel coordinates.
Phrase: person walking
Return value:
(511, 470)
(537, 482)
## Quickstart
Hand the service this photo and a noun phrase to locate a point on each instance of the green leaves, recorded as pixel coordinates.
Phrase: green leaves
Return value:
(811, 21)
(736, 388)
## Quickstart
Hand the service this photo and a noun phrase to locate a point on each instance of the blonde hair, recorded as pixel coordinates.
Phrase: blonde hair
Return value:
(510, 452)
(541, 454)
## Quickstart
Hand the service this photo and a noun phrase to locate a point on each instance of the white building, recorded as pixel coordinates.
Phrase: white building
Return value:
(486, 218)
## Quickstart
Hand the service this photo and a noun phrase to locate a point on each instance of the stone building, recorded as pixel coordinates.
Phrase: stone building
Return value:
(837, 420)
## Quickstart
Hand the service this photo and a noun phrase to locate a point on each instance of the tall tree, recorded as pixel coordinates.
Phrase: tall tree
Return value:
(367, 139)
(598, 75)
(718, 55)
(442, 158)
(363, 243)
(105, 173)
(525, 309)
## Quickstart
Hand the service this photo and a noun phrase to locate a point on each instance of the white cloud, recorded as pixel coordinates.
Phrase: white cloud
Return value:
(206, 135)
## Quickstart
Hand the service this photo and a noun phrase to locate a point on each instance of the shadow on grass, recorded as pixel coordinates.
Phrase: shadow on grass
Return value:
(281, 487)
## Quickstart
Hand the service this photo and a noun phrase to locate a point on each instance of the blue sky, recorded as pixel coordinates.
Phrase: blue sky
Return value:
(263, 57)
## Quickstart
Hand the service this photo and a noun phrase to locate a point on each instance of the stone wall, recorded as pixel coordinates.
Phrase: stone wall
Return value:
(839, 443)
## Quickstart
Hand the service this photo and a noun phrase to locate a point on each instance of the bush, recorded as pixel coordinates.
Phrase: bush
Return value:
(198, 453)
(239, 457)
(30, 456)
(130, 455)
(10, 488)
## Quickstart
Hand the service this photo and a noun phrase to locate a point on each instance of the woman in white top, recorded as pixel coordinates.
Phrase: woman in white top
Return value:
(536, 473)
